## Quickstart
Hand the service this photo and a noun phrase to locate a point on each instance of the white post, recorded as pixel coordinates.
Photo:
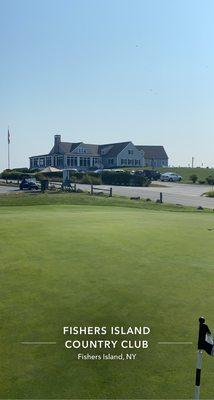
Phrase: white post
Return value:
(201, 339)
(8, 156)
(198, 375)
(8, 148)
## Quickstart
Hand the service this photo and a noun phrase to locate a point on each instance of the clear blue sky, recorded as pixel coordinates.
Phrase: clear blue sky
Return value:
(105, 71)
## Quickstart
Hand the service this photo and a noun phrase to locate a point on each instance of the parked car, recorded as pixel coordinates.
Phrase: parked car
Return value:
(149, 173)
(28, 184)
(170, 177)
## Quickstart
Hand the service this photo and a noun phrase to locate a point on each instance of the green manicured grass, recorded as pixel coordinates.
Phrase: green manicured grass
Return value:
(101, 266)
(60, 198)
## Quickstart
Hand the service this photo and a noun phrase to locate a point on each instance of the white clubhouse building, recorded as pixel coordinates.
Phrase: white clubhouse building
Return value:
(84, 156)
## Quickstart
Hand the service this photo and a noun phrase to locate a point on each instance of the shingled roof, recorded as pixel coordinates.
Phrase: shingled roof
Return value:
(150, 152)
(115, 149)
(156, 152)
(65, 147)
(92, 149)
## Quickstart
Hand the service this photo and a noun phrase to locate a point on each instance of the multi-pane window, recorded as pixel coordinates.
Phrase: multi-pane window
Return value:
(60, 162)
(95, 161)
(35, 162)
(82, 150)
(48, 161)
(70, 161)
(85, 161)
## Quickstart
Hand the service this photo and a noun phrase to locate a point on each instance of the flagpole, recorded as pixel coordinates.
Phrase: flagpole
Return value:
(8, 148)
(8, 156)
(199, 359)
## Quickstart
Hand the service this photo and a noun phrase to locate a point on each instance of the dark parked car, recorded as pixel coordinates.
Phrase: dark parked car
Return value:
(28, 184)
(150, 174)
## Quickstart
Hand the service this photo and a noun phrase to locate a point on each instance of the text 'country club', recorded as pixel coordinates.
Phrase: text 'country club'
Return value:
(99, 344)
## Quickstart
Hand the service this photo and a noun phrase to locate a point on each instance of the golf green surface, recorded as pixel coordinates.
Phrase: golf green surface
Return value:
(104, 266)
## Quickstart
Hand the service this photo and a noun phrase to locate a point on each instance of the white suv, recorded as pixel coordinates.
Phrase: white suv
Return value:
(170, 177)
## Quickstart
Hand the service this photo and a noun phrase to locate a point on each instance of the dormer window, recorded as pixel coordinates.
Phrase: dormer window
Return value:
(82, 150)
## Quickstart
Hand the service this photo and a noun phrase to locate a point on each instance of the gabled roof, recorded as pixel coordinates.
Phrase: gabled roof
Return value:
(150, 152)
(65, 147)
(92, 149)
(115, 148)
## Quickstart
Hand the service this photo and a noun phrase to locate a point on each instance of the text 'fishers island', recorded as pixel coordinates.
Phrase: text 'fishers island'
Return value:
(108, 342)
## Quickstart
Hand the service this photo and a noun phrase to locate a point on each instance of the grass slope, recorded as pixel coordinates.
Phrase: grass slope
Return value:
(185, 172)
(60, 198)
(202, 173)
(83, 265)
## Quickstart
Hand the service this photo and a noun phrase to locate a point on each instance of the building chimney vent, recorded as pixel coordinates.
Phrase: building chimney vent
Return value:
(57, 138)
(57, 141)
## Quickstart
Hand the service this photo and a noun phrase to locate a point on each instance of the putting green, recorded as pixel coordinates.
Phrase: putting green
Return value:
(103, 266)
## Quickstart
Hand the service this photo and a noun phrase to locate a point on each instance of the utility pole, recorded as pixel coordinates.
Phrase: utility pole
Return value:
(193, 162)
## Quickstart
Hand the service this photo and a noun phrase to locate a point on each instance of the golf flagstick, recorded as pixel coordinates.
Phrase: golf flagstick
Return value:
(206, 343)
(201, 339)
(198, 375)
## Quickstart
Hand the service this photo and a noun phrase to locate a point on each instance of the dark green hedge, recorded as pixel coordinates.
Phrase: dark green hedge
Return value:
(106, 177)
(124, 178)
(13, 175)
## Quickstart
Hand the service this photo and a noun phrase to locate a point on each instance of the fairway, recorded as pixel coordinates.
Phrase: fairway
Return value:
(67, 265)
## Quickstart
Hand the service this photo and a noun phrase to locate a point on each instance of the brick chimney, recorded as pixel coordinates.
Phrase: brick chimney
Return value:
(57, 141)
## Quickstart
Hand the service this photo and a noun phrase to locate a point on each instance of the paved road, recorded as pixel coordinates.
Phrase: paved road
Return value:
(8, 189)
(185, 194)
(188, 195)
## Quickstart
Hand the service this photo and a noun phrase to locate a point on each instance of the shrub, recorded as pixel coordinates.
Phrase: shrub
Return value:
(90, 179)
(123, 178)
(193, 178)
(210, 194)
(210, 180)
(13, 175)
(202, 182)
(50, 176)
(139, 180)
(24, 170)
(32, 170)
(41, 177)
